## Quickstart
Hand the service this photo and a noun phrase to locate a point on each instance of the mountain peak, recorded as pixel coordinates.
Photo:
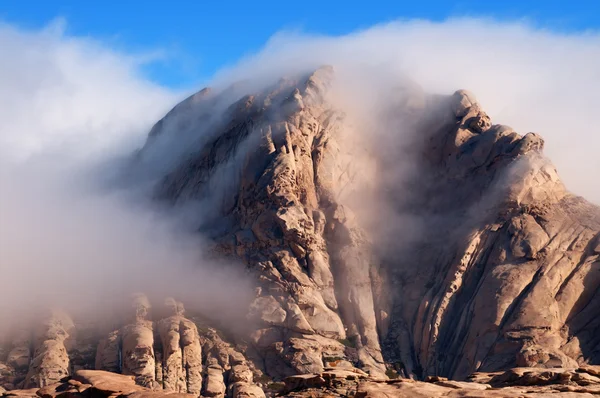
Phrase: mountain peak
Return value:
(387, 231)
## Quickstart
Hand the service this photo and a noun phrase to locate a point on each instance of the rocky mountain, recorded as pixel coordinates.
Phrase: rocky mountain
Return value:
(412, 240)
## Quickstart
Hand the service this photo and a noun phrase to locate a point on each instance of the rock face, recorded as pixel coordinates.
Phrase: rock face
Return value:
(520, 382)
(450, 249)
(332, 383)
(504, 272)
(164, 354)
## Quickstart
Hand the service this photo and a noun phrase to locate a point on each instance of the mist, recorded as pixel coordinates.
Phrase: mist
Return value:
(73, 108)
(529, 78)
(73, 112)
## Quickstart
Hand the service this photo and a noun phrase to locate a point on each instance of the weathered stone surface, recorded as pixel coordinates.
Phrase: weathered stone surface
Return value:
(107, 382)
(137, 342)
(268, 310)
(15, 357)
(215, 382)
(94, 383)
(192, 356)
(161, 354)
(473, 258)
(160, 394)
(50, 361)
(514, 383)
(504, 287)
(107, 353)
(31, 392)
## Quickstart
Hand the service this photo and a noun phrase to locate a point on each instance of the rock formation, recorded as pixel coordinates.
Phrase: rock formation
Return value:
(336, 383)
(453, 248)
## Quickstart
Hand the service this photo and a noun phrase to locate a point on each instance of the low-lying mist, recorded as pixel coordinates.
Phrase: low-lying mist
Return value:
(532, 79)
(72, 109)
(70, 237)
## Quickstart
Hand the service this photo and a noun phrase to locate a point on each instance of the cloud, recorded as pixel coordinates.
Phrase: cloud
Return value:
(71, 95)
(71, 108)
(531, 79)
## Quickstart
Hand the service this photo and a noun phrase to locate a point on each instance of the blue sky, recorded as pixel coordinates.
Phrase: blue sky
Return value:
(196, 38)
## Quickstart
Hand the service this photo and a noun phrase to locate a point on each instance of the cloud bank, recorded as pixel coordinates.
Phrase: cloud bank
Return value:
(531, 79)
(71, 95)
(70, 104)
(71, 109)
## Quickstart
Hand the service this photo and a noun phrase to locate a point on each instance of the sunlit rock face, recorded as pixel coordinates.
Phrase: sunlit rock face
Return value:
(409, 237)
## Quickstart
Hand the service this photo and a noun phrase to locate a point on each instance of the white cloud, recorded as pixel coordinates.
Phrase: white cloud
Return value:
(72, 98)
(530, 79)
(67, 105)
(59, 90)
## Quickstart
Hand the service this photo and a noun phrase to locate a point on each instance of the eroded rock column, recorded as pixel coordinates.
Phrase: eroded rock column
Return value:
(50, 361)
(137, 350)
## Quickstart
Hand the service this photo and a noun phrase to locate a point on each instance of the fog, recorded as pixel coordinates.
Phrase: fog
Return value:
(72, 108)
(531, 79)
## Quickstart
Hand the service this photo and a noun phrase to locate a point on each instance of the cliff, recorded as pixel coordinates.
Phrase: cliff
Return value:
(413, 238)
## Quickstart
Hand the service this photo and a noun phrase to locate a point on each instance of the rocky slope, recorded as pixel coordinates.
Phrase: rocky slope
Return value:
(332, 383)
(435, 245)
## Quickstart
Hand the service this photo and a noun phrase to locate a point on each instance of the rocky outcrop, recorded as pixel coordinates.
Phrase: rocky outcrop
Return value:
(90, 383)
(288, 227)
(50, 361)
(520, 382)
(228, 370)
(502, 292)
(37, 356)
(165, 354)
(500, 271)
(137, 345)
(16, 355)
(419, 240)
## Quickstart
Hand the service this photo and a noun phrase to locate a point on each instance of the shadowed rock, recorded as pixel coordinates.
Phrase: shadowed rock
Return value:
(424, 240)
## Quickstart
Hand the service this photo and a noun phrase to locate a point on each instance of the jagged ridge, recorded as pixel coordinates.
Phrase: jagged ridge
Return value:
(505, 274)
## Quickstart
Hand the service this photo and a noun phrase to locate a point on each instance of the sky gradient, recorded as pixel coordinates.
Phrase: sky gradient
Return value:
(191, 40)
